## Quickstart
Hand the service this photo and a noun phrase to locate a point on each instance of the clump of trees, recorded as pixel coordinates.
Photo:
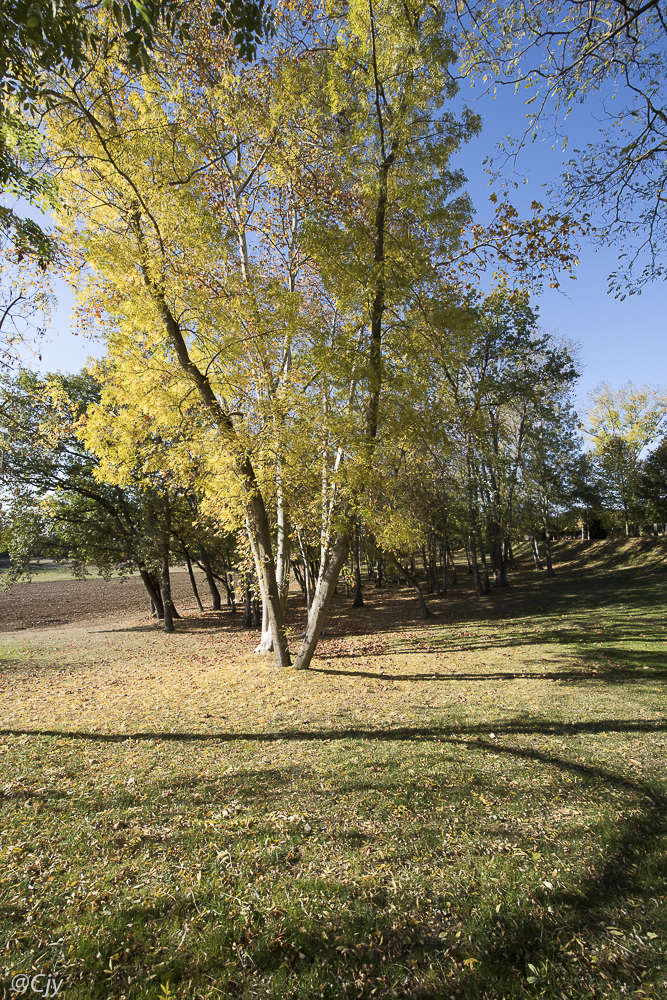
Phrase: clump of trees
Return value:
(301, 370)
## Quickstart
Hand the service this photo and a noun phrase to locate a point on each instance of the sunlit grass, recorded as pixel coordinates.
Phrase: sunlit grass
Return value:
(470, 808)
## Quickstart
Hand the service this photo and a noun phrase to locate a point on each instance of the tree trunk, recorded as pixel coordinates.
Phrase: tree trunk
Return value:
(428, 576)
(165, 582)
(266, 642)
(547, 530)
(453, 564)
(247, 603)
(444, 561)
(193, 582)
(358, 598)
(206, 563)
(283, 542)
(434, 564)
(306, 573)
(268, 589)
(296, 568)
(231, 586)
(500, 559)
(153, 591)
(479, 589)
(413, 580)
(322, 599)
(485, 568)
(493, 560)
(536, 550)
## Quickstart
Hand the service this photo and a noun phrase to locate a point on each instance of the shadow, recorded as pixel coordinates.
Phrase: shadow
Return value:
(408, 733)
(596, 672)
(252, 941)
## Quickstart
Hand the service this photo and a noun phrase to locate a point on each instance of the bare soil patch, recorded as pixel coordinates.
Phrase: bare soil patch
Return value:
(45, 604)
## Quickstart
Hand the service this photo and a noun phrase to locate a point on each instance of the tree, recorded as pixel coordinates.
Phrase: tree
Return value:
(621, 425)
(552, 464)
(252, 238)
(39, 39)
(493, 369)
(652, 485)
(57, 502)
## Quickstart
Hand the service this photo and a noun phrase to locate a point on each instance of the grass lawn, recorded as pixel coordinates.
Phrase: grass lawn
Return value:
(473, 806)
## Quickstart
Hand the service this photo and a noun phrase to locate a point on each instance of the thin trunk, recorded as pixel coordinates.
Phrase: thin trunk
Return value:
(358, 601)
(466, 548)
(413, 580)
(306, 574)
(153, 591)
(231, 587)
(536, 550)
(479, 589)
(247, 603)
(444, 558)
(266, 642)
(283, 555)
(298, 575)
(495, 569)
(453, 564)
(485, 568)
(322, 599)
(547, 529)
(436, 578)
(206, 563)
(165, 582)
(501, 562)
(193, 582)
(428, 576)
(263, 621)
(504, 582)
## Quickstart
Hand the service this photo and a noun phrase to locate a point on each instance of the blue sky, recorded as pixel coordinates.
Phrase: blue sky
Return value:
(620, 340)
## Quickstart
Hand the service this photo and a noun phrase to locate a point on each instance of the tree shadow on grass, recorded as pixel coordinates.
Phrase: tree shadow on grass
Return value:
(508, 727)
(244, 945)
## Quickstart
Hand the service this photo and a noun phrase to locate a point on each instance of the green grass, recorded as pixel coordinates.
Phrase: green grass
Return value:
(490, 849)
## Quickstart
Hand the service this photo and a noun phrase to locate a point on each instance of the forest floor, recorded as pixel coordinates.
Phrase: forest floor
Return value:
(471, 806)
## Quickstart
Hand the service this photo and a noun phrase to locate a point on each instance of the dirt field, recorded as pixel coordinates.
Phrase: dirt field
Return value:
(44, 604)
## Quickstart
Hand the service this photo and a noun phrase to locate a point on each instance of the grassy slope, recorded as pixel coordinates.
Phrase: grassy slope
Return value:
(469, 807)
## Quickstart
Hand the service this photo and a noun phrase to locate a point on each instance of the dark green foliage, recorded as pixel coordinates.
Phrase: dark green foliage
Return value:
(652, 485)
